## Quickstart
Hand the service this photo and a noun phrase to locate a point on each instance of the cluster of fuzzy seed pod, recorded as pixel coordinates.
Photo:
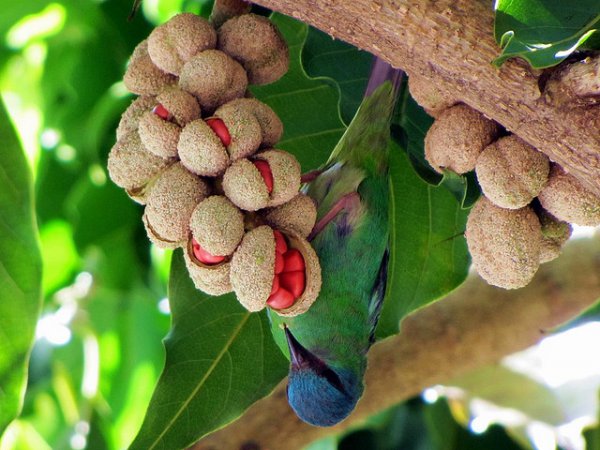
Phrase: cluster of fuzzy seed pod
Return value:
(200, 157)
(528, 203)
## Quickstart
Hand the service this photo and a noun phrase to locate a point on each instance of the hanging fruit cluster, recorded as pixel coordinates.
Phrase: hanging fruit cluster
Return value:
(528, 203)
(200, 156)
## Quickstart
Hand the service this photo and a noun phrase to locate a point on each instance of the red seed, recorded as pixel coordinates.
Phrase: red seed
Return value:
(295, 282)
(275, 285)
(265, 170)
(279, 263)
(220, 129)
(203, 256)
(280, 244)
(162, 112)
(281, 299)
(293, 261)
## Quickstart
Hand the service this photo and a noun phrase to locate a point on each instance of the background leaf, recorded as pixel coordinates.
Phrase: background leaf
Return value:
(20, 272)
(428, 253)
(220, 359)
(545, 32)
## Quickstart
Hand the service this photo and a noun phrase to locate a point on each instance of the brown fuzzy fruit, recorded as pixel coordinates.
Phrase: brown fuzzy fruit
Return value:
(181, 105)
(554, 235)
(298, 215)
(567, 199)
(223, 10)
(217, 225)
(175, 42)
(286, 175)
(243, 127)
(142, 77)
(131, 116)
(312, 276)
(214, 78)
(504, 243)
(270, 123)
(201, 151)
(131, 166)
(246, 186)
(253, 268)
(158, 135)
(511, 172)
(257, 44)
(426, 94)
(457, 137)
(171, 201)
(212, 279)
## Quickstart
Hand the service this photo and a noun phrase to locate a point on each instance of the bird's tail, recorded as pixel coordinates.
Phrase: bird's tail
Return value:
(366, 138)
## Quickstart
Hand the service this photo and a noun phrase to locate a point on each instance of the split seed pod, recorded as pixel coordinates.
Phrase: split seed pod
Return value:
(457, 137)
(217, 225)
(298, 215)
(253, 271)
(180, 104)
(504, 243)
(132, 167)
(214, 78)
(248, 188)
(158, 135)
(212, 279)
(171, 201)
(175, 42)
(258, 45)
(554, 235)
(567, 199)
(201, 151)
(511, 172)
(270, 123)
(243, 127)
(312, 276)
(131, 117)
(142, 76)
(427, 94)
(253, 268)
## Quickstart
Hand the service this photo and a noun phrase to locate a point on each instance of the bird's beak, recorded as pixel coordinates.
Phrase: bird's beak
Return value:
(298, 354)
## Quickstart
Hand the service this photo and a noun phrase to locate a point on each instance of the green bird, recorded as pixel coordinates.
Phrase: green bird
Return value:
(328, 344)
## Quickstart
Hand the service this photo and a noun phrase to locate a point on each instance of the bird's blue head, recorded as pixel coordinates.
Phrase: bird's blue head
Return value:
(318, 393)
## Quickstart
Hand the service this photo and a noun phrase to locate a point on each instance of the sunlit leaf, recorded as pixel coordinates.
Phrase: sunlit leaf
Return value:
(219, 360)
(544, 32)
(20, 272)
(428, 254)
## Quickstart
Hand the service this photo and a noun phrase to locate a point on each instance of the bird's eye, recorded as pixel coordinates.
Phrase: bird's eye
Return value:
(334, 380)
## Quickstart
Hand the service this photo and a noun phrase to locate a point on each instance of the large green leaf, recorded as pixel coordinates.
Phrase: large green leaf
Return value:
(348, 66)
(220, 359)
(544, 32)
(428, 254)
(20, 272)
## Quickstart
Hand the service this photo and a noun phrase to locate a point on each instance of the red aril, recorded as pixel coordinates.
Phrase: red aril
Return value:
(220, 129)
(203, 256)
(295, 282)
(265, 171)
(281, 299)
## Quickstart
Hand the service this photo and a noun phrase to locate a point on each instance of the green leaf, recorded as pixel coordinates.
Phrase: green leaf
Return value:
(20, 272)
(324, 56)
(428, 253)
(308, 107)
(544, 32)
(592, 437)
(219, 360)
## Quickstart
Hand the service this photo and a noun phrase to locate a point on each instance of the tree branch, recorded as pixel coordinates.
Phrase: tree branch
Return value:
(451, 43)
(476, 325)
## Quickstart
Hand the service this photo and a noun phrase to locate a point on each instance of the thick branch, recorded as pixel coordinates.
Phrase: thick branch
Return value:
(450, 42)
(476, 325)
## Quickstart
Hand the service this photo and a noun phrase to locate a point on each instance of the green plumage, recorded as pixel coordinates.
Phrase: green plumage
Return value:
(338, 327)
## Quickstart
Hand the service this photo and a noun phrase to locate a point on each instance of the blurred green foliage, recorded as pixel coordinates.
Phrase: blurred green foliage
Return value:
(98, 354)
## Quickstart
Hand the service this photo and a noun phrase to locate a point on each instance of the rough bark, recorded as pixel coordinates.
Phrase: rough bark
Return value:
(476, 325)
(450, 42)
